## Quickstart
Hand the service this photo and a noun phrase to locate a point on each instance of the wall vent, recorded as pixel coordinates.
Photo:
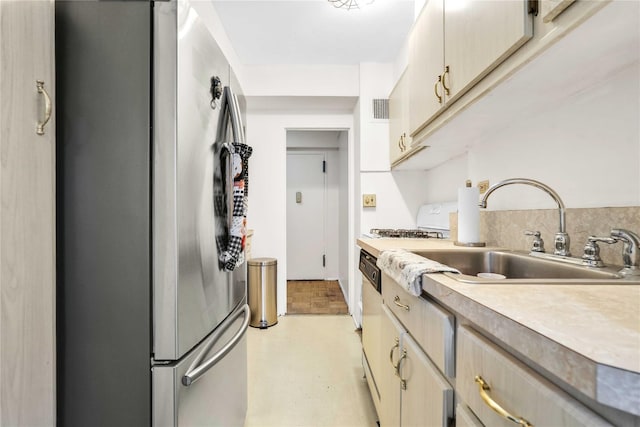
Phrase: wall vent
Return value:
(381, 109)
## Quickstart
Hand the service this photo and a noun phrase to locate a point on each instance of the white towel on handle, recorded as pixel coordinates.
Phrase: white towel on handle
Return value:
(407, 268)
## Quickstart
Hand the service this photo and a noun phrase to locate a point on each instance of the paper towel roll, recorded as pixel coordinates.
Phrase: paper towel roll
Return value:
(468, 215)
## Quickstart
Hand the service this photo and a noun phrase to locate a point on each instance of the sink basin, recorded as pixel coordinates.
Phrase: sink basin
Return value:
(519, 267)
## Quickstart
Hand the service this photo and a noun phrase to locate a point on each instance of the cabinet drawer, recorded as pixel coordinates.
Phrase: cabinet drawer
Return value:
(406, 307)
(515, 387)
(430, 325)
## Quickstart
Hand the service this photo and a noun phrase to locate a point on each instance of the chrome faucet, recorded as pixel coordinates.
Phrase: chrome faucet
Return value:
(630, 251)
(562, 241)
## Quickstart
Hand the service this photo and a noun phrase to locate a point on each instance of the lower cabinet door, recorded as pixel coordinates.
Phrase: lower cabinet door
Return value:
(426, 398)
(392, 334)
(465, 418)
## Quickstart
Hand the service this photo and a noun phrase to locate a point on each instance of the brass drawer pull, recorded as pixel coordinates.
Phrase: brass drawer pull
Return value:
(397, 302)
(397, 345)
(484, 389)
(444, 80)
(47, 107)
(403, 382)
(435, 89)
(401, 143)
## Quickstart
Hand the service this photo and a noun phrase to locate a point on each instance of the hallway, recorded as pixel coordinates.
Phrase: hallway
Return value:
(306, 371)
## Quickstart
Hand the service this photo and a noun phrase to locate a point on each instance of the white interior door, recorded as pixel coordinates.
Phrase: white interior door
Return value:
(306, 194)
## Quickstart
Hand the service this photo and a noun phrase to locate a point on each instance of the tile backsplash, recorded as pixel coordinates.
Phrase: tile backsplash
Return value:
(506, 228)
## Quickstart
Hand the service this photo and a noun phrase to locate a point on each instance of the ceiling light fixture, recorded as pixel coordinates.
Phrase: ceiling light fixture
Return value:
(350, 4)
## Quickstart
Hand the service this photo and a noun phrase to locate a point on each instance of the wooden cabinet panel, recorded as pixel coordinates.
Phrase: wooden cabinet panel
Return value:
(480, 35)
(427, 398)
(453, 45)
(27, 221)
(426, 63)
(429, 324)
(399, 139)
(404, 306)
(436, 336)
(391, 341)
(514, 386)
(465, 418)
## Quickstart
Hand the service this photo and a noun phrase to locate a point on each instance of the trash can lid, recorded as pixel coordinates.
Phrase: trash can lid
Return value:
(262, 261)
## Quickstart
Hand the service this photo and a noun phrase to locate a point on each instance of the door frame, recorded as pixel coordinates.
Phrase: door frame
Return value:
(349, 250)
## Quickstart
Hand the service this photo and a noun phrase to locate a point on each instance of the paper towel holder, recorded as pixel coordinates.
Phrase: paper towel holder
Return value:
(468, 244)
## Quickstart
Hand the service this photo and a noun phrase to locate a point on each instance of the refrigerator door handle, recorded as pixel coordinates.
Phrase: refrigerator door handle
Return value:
(197, 369)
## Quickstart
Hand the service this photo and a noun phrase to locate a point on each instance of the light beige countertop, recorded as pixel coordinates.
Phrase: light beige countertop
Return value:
(586, 335)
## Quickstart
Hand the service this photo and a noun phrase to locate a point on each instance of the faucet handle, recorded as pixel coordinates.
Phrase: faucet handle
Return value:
(538, 243)
(630, 251)
(591, 255)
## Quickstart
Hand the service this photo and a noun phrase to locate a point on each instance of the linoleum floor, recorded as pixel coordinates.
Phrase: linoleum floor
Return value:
(306, 371)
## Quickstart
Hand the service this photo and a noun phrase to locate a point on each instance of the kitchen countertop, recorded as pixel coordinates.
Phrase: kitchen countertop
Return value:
(586, 335)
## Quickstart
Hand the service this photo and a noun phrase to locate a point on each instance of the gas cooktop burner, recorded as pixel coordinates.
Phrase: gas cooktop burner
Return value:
(409, 234)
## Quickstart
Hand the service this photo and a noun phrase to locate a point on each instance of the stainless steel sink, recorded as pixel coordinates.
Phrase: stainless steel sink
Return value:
(520, 267)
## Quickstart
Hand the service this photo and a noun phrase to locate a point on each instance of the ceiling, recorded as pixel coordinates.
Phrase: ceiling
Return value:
(313, 32)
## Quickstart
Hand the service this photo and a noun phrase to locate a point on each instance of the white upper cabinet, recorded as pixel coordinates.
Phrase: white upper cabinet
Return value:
(426, 65)
(454, 44)
(399, 139)
(479, 35)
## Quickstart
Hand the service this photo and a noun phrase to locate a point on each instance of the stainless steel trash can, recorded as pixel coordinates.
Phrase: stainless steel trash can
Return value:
(262, 277)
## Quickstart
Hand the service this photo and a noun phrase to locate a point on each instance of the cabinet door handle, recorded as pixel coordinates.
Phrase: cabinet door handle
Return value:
(444, 80)
(397, 345)
(435, 89)
(403, 382)
(484, 389)
(397, 302)
(47, 107)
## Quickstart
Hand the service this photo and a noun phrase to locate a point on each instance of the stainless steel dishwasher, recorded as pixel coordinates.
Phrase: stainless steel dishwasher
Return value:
(371, 322)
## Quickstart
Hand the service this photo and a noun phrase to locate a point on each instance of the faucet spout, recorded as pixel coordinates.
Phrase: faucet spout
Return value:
(562, 238)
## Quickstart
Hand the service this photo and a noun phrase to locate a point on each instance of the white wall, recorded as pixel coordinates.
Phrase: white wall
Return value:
(301, 80)
(398, 194)
(376, 82)
(587, 148)
(212, 21)
(344, 243)
(267, 134)
(313, 139)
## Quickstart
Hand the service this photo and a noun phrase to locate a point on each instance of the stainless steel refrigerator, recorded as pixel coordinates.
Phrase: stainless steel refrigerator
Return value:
(151, 326)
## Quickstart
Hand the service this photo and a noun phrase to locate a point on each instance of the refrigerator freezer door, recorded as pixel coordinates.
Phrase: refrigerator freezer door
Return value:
(217, 398)
(191, 293)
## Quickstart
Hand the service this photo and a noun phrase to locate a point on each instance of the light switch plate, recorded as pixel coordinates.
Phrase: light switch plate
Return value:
(369, 200)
